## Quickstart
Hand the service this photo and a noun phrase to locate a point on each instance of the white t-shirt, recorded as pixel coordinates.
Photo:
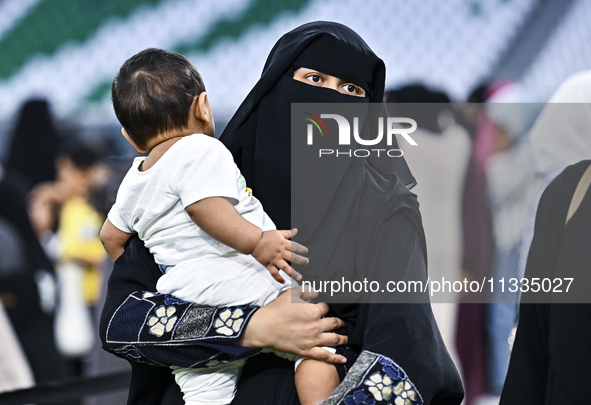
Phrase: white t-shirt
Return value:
(152, 203)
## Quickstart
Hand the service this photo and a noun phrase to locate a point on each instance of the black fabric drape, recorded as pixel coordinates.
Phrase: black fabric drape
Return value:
(551, 354)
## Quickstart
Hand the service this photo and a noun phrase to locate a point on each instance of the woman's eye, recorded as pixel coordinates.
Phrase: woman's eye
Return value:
(315, 78)
(350, 88)
(353, 90)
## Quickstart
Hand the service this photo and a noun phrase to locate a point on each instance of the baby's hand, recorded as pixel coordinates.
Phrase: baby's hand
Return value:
(274, 250)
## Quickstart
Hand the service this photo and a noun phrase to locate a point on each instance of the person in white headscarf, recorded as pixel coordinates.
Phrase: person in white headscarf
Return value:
(559, 138)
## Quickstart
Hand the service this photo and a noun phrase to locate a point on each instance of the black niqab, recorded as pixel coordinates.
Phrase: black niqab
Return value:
(260, 131)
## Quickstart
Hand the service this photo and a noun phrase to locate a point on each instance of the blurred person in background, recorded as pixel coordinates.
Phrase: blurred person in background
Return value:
(439, 165)
(102, 196)
(471, 111)
(68, 224)
(552, 153)
(27, 289)
(15, 372)
(511, 188)
(551, 354)
(33, 146)
(477, 247)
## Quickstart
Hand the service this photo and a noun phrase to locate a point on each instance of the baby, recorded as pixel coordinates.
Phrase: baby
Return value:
(189, 204)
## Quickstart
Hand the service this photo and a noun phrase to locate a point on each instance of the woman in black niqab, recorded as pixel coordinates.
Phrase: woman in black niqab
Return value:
(398, 341)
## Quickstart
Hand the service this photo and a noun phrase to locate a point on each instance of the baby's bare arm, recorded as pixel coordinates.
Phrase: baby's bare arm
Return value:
(218, 217)
(113, 240)
(315, 381)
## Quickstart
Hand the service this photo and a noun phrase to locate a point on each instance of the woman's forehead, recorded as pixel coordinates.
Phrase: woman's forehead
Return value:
(339, 58)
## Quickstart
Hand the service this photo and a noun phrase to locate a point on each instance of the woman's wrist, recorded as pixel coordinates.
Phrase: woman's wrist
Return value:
(294, 327)
(251, 337)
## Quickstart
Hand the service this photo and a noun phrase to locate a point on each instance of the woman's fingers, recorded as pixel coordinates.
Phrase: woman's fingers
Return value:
(321, 354)
(294, 328)
(330, 324)
(332, 339)
(322, 308)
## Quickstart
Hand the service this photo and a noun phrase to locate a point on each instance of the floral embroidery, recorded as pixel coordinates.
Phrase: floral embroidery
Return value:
(359, 398)
(229, 322)
(394, 372)
(148, 295)
(163, 321)
(375, 379)
(380, 386)
(405, 393)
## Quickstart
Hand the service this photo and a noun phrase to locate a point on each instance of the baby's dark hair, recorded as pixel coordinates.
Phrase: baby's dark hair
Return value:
(153, 92)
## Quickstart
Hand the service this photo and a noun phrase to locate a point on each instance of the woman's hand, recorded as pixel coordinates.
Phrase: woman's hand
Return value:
(291, 325)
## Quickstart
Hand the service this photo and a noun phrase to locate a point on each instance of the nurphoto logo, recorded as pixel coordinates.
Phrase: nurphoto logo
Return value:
(394, 126)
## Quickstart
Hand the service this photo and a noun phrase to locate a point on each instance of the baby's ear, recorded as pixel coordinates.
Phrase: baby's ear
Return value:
(201, 108)
(139, 148)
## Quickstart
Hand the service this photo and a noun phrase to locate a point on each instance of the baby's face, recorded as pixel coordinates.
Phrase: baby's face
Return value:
(319, 79)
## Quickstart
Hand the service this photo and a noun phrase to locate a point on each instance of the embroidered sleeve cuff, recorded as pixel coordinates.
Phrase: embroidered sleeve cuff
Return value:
(163, 330)
(375, 379)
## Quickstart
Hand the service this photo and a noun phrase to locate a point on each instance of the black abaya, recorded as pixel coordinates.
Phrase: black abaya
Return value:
(552, 351)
